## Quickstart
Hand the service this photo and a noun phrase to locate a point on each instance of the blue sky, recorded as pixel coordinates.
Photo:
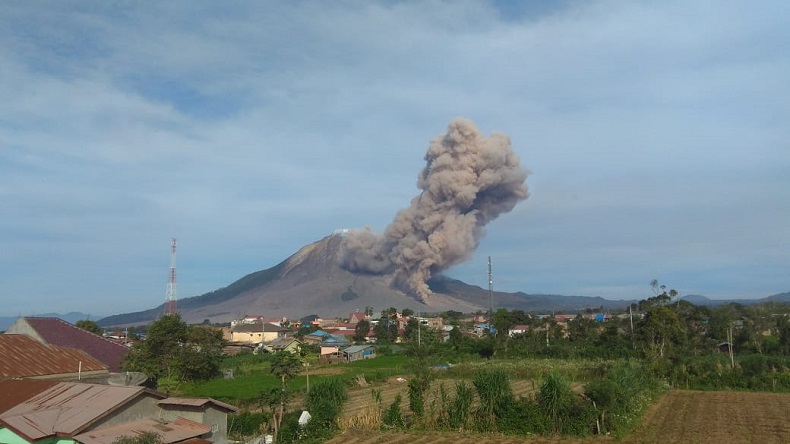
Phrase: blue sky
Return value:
(656, 136)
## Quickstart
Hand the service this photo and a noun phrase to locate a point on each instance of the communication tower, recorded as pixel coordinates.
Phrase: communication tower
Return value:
(170, 303)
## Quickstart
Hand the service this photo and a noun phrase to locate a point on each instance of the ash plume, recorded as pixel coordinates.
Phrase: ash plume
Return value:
(468, 181)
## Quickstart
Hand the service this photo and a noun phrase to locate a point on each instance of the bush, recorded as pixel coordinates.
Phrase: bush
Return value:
(245, 424)
(496, 395)
(622, 397)
(393, 417)
(324, 402)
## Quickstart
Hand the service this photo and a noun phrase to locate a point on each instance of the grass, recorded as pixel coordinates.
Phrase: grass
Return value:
(252, 376)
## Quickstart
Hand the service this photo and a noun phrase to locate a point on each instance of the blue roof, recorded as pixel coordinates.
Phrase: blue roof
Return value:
(356, 348)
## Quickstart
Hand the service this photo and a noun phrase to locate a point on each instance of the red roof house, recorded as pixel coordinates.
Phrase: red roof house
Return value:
(56, 331)
(21, 356)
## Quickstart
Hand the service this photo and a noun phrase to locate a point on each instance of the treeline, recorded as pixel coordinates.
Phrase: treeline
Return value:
(690, 346)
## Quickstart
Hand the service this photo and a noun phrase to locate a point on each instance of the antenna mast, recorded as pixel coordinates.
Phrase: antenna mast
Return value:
(170, 303)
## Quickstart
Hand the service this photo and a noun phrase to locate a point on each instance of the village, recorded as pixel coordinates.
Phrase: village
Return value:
(61, 382)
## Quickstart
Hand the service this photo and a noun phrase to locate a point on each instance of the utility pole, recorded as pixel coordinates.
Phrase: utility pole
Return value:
(419, 335)
(490, 295)
(729, 346)
(631, 316)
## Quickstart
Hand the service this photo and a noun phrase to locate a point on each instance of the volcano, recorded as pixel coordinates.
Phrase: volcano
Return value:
(311, 281)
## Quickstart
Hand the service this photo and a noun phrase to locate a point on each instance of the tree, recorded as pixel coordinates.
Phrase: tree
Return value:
(660, 329)
(456, 338)
(361, 330)
(174, 350)
(386, 330)
(582, 329)
(422, 360)
(90, 326)
(407, 312)
(201, 356)
(412, 330)
(285, 366)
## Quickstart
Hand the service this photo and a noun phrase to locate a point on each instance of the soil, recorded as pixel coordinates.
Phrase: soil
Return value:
(716, 417)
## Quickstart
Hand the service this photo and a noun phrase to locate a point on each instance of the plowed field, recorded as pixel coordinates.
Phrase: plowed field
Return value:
(679, 417)
(716, 418)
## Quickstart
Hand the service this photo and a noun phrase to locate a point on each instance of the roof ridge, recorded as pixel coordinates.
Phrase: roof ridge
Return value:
(82, 330)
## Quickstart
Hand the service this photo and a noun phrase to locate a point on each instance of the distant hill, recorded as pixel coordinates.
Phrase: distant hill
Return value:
(702, 300)
(72, 318)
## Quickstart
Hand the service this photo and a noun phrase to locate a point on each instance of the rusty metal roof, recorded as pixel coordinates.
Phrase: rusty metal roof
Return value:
(56, 331)
(196, 402)
(174, 431)
(17, 390)
(67, 408)
(23, 357)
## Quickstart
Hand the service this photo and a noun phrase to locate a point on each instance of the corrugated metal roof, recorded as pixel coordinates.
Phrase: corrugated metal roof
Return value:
(179, 430)
(356, 348)
(196, 402)
(15, 391)
(23, 357)
(58, 332)
(67, 408)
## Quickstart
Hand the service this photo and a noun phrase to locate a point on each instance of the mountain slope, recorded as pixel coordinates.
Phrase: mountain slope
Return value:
(309, 282)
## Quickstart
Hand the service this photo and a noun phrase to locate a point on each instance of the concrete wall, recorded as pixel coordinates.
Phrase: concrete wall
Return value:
(211, 416)
(143, 407)
(22, 327)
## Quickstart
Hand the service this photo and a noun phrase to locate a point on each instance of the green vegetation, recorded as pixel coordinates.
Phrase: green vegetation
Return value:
(90, 326)
(176, 352)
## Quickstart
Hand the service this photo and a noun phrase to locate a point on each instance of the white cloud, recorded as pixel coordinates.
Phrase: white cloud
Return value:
(654, 132)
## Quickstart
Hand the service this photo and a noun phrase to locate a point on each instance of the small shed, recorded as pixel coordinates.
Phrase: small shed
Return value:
(358, 352)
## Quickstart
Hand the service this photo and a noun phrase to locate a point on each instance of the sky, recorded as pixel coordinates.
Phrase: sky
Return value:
(655, 133)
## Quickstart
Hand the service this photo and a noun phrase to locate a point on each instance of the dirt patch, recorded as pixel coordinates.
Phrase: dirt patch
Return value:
(325, 371)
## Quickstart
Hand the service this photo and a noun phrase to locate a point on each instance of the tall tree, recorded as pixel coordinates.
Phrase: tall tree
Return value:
(285, 366)
(361, 331)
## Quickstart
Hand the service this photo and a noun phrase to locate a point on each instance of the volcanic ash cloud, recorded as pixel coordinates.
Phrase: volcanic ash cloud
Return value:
(468, 181)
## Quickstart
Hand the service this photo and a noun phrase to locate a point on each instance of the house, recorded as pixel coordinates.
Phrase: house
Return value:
(328, 342)
(435, 322)
(69, 412)
(287, 344)
(518, 330)
(358, 352)
(355, 317)
(21, 356)
(257, 333)
(205, 411)
(316, 337)
(56, 331)
(483, 329)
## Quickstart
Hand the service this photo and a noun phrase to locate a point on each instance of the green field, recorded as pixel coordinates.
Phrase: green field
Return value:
(252, 376)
